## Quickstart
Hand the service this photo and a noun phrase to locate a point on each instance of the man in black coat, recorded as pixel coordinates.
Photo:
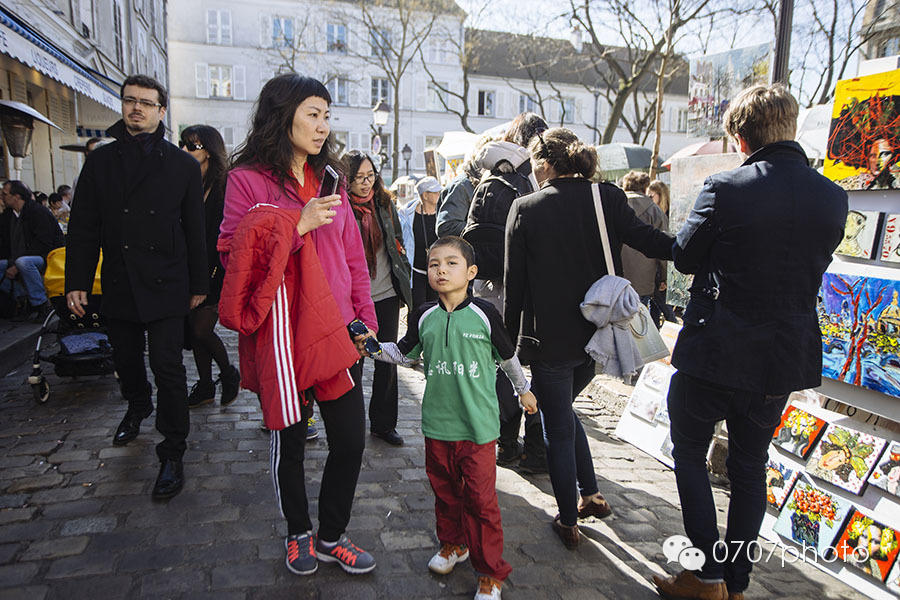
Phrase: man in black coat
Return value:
(31, 233)
(758, 242)
(140, 199)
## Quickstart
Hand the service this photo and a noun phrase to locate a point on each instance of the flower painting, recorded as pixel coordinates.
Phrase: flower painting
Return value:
(868, 545)
(779, 479)
(812, 516)
(845, 457)
(886, 474)
(798, 431)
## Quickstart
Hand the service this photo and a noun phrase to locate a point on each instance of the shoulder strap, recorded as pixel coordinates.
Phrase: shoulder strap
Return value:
(601, 225)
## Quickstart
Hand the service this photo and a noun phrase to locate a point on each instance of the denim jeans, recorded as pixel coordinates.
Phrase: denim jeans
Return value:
(556, 384)
(31, 277)
(695, 406)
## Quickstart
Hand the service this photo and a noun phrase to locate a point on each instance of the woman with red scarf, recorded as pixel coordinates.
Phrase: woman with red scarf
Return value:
(389, 274)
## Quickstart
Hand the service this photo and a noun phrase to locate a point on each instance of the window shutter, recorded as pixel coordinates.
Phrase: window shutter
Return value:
(225, 27)
(418, 158)
(212, 27)
(228, 136)
(422, 94)
(201, 73)
(578, 111)
(239, 86)
(265, 31)
(353, 93)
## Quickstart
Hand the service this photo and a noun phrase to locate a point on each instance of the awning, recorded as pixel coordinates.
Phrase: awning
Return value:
(23, 44)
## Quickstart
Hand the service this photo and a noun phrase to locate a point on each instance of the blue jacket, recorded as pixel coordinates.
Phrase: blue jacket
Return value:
(406, 216)
(763, 234)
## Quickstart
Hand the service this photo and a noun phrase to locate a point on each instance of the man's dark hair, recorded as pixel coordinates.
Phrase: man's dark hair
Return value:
(464, 247)
(145, 81)
(63, 190)
(54, 199)
(19, 189)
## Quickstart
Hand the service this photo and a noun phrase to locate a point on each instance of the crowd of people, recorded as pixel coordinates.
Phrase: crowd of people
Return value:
(490, 268)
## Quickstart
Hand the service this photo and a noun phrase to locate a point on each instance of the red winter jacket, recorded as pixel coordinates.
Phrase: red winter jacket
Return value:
(292, 335)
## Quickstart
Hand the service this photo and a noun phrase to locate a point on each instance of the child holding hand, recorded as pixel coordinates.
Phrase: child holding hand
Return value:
(460, 339)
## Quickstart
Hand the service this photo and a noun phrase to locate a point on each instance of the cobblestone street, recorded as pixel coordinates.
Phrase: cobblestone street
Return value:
(77, 520)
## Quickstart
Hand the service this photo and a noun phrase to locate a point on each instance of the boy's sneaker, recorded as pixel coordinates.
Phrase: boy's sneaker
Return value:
(311, 431)
(231, 385)
(301, 553)
(349, 556)
(202, 392)
(488, 589)
(449, 554)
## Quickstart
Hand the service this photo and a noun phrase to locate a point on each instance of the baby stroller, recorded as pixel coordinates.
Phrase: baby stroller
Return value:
(84, 348)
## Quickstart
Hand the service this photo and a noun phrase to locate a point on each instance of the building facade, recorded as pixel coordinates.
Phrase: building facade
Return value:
(67, 59)
(223, 51)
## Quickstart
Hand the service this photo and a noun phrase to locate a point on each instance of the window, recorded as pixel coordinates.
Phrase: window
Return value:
(336, 36)
(682, 120)
(379, 42)
(527, 104)
(889, 47)
(341, 142)
(337, 87)
(381, 90)
(567, 110)
(437, 98)
(117, 34)
(485, 103)
(282, 32)
(83, 17)
(218, 27)
(220, 78)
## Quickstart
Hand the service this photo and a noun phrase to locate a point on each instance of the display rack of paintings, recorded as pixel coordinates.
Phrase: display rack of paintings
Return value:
(863, 145)
(860, 321)
(868, 545)
(780, 477)
(845, 457)
(860, 234)
(812, 516)
(890, 244)
(886, 474)
(798, 431)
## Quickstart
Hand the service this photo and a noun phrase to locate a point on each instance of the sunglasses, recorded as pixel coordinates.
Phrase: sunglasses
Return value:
(191, 146)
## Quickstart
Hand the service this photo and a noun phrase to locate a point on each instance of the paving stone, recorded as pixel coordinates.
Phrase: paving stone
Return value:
(56, 548)
(13, 500)
(62, 494)
(29, 484)
(74, 508)
(243, 575)
(8, 552)
(12, 515)
(31, 592)
(88, 525)
(17, 574)
(106, 586)
(405, 540)
(81, 565)
(69, 456)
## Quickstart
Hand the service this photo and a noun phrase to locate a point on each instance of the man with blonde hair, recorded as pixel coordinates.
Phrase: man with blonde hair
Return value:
(758, 240)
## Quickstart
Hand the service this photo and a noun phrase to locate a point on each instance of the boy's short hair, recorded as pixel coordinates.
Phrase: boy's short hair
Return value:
(763, 114)
(464, 247)
(636, 181)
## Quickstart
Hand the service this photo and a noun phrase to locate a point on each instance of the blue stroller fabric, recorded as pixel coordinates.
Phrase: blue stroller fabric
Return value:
(89, 342)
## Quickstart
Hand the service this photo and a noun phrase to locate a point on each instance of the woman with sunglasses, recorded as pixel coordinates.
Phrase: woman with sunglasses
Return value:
(205, 144)
(389, 279)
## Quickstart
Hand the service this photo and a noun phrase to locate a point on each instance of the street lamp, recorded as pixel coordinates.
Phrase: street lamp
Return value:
(17, 123)
(380, 114)
(596, 93)
(407, 154)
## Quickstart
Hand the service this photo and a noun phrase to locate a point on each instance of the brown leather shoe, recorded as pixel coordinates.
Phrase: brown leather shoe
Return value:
(568, 535)
(598, 507)
(736, 596)
(686, 586)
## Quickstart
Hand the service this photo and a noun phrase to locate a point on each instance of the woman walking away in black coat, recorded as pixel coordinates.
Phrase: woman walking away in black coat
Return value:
(205, 144)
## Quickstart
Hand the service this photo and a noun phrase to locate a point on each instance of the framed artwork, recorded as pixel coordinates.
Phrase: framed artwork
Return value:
(893, 579)
(860, 234)
(886, 474)
(868, 545)
(845, 457)
(780, 477)
(890, 244)
(650, 391)
(812, 516)
(798, 431)
(860, 322)
(864, 139)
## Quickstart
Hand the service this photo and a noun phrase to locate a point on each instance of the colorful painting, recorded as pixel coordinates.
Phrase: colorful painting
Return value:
(715, 79)
(688, 175)
(890, 245)
(860, 322)
(864, 140)
(798, 431)
(860, 233)
(779, 480)
(893, 579)
(886, 475)
(845, 457)
(650, 391)
(812, 516)
(869, 545)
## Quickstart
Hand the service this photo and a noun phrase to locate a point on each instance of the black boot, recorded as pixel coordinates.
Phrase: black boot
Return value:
(534, 460)
(170, 479)
(231, 383)
(202, 392)
(508, 448)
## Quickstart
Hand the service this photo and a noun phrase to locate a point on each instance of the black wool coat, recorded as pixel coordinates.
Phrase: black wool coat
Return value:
(40, 230)
(142, 204)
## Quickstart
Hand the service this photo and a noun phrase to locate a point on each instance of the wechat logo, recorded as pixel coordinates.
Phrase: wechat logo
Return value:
(678, 549)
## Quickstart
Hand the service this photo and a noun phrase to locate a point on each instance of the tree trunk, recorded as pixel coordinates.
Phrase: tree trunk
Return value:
(654, 158)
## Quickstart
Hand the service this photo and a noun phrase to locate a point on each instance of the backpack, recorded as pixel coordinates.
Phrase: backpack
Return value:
(486, 224)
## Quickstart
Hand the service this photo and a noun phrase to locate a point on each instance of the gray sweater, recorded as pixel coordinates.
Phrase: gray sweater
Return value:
(637, 268)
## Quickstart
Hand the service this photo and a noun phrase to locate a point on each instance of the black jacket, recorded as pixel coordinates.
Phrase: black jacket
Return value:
(213, 209)
(764, 232)
(142, 203)
(554, 254)
(40, 230)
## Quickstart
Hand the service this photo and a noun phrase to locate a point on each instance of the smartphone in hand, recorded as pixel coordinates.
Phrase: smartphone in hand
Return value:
(329, 182)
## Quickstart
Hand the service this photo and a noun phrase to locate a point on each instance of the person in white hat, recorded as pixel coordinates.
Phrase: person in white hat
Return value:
(417, 220)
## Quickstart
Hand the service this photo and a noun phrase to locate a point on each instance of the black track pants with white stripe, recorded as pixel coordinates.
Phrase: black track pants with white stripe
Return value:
(345, 423)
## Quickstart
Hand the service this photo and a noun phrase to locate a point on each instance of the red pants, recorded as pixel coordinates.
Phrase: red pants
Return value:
(463, 476)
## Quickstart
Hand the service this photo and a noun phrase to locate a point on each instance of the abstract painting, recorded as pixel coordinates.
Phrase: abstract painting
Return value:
(867, 544)
(845, 457)
(886, 474)
(860, 322)
(860, 233)
(798, 431)
(779, 479)
(812, 516)
(864, 139)
(890, 246)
